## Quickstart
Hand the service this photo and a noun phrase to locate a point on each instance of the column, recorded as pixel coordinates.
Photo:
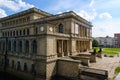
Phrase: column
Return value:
(59, 48)
(68, 48)
(80, 46)
(84, 45)
(81, 32)
(62, 52)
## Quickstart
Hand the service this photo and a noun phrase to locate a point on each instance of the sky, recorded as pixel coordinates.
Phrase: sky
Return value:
(103, 14)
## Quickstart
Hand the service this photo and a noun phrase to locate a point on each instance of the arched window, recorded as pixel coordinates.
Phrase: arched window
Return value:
(18, 65)
(0, 45)
(7, 62)
(33, 69)
(3, 45)
(14, 46)
(28, 31)
(13, 33)
(2, 62)
(25, 67)
(26, 46)
(24, 32)
(10, 33)
(60, 28)
(16, 33)
(20, 46)
(20, 32)
(13, 63)
(5, 34)
(34, 47)
(9, 45)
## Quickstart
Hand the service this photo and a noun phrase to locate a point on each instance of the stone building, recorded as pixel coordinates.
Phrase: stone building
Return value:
(106, 41)
(32, 42)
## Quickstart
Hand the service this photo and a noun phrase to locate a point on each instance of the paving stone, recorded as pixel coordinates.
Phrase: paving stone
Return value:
(107, 63)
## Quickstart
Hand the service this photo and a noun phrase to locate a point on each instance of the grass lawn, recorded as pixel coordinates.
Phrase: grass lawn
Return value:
(110, 50)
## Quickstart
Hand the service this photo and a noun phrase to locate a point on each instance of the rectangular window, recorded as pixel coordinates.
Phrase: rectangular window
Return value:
(76, 28)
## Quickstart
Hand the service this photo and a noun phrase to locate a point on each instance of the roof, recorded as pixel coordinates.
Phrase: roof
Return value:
(26, 12)
(65, 15)
(48, 16)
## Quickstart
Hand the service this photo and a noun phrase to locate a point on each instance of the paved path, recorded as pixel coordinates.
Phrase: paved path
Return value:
(107, 63)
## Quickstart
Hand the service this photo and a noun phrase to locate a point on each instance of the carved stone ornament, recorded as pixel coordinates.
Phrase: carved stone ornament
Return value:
(50, 28)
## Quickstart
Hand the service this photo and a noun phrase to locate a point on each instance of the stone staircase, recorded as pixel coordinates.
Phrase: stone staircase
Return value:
(86, 73)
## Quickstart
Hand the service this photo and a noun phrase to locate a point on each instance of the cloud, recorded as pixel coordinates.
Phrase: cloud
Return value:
(24, 4)
(105, 15)
(88, 16)
(2, 13)
(104, 28)
(62, 6)
(91, 3)
(15, 5)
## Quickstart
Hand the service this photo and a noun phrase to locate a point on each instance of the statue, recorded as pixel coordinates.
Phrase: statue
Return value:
(94, 52)
(100, 50)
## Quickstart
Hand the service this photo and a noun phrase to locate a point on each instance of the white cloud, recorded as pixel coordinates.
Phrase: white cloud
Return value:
(105, 15)
(2, 13)
(22, 4)
(91, 3)
(15, 4)
(62, 5)
(89, 16)
(106, 5)
(104, 28)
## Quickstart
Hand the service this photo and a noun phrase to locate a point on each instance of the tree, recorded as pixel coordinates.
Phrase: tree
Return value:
(94, 43)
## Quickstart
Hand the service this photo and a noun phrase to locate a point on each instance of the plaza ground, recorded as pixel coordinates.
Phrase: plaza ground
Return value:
(107, 63)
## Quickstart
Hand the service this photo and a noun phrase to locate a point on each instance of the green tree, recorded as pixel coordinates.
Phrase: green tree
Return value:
(94, 43)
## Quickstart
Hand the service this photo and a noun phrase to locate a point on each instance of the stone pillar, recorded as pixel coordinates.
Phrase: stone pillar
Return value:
(80, 46)
(83, 46)
(68, 47)
(81, 32)
(73, 47)
(87, 46)
(62, 49)
(59, 48)
(90, 45)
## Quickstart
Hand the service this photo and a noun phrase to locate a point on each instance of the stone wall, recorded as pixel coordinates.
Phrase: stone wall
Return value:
(68, 68)
(50, 69)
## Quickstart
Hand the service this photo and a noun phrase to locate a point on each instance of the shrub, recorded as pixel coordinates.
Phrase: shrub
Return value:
(117, 70)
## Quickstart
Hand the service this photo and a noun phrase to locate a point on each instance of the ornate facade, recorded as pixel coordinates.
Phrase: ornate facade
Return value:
(32, 41)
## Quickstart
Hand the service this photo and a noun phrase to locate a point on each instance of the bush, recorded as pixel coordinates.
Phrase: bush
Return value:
(111, 56)
(95, 43)
(117, 70)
